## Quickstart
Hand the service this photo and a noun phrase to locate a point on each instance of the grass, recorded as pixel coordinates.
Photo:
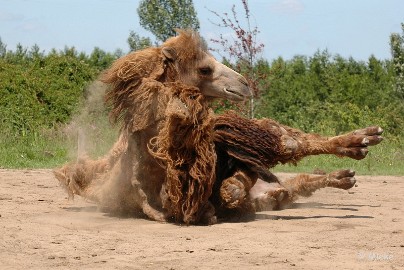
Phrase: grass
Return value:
(32, 151)
(52, 148)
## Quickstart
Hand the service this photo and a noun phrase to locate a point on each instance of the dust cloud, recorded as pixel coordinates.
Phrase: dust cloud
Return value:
(89, 133)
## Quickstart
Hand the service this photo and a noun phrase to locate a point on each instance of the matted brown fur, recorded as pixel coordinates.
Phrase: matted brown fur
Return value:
(185, 146)
(262, 143)
(234, 133)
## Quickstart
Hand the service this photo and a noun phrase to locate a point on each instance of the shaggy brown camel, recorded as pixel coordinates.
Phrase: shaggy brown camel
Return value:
(175, 160)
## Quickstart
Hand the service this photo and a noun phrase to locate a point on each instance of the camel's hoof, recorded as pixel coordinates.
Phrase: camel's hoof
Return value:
(212, 220)
(343, 179)
(346, 183)
(354, 145)
(279, 195)
(342, 174)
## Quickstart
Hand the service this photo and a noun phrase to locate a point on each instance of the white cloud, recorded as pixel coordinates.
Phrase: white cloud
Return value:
(291, 7)
(31, 26)
(7, 16)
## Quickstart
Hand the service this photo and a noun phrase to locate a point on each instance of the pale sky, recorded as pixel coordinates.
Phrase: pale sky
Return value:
(357, 28)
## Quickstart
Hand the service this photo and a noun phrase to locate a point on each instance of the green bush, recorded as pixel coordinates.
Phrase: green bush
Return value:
(41, 91)
(332, 95)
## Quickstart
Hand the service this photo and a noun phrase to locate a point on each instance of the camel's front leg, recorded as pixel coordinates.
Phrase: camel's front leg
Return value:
(277, 195)
(139, 169)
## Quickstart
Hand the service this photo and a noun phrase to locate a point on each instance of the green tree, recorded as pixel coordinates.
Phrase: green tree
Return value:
(3, 49)
(137, 42)
(397, 51)
(100, 59)
(161, 17)
(40, 91)
(331, 94)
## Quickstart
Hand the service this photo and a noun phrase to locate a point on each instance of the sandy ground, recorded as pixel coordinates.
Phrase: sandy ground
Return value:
(334, 229)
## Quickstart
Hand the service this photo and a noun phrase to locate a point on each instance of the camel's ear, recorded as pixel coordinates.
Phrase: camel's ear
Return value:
(169, 53)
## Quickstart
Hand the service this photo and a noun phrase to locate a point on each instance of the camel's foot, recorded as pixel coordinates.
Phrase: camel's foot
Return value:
(343, 179)
(305, 184)
(355, 144)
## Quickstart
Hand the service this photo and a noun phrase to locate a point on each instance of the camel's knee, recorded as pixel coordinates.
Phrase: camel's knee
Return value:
(290, 145)
(234, 190)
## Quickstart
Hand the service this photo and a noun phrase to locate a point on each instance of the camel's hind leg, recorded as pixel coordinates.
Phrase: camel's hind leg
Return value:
(82, 177)
(272, 196)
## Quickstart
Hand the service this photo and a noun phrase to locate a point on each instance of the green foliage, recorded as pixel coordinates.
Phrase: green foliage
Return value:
(331, 95)
(39, 94)
(39, 91)
(100, 59)
(138, 43)
(161, 17)
(397, 51)
(3, 49)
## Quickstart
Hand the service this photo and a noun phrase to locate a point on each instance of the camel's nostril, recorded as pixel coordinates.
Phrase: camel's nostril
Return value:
(242, 80)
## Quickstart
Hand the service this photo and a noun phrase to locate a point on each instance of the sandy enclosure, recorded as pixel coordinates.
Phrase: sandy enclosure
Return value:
(357, 229)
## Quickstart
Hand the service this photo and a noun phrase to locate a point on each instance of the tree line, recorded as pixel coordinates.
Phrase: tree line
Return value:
(322, 93)
(331, 94)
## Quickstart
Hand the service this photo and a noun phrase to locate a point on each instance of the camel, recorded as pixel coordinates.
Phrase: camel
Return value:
(175, 160)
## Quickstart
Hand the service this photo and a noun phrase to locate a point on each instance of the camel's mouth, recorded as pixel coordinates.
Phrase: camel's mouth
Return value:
(233, 95)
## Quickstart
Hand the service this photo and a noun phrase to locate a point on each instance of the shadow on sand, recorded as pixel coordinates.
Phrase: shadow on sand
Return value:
(275, 215)
(261, 216)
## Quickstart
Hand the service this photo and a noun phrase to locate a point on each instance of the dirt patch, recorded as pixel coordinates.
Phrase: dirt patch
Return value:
(362, 228)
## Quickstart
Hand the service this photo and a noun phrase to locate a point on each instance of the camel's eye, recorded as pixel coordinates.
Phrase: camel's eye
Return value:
(205, 71)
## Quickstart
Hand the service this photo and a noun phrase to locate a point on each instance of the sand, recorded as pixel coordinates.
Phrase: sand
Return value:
(357, 229)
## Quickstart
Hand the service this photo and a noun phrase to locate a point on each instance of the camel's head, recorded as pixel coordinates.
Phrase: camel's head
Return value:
(191, 63)
(183, 59)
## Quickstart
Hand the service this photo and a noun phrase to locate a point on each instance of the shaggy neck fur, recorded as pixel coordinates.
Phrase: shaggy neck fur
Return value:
(185, 146)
